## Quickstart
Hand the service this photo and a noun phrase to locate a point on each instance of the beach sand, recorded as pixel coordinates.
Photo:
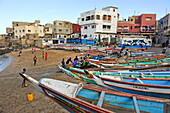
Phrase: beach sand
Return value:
(13, 98)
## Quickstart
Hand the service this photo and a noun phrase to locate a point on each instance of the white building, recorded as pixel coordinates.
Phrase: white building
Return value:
(164, 29)
(99, 24)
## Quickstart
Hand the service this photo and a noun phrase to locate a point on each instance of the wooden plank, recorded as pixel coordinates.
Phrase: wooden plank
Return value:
(139, 80)
(100, 101)
(135, 105)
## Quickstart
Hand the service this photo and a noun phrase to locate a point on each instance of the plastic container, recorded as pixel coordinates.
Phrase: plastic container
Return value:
(30, 97)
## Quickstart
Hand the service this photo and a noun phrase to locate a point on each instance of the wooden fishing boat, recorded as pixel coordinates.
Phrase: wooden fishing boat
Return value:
(153, 70)
(136, 57)
(140, 65)
(141, 86)
(141, 75)
(77, 98)
(166, 73)
(127, 61)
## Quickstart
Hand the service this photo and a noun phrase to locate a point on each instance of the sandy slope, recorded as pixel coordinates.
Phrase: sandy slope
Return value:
(13, 98)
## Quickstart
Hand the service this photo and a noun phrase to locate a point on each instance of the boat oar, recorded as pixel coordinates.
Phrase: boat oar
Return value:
(89, 74)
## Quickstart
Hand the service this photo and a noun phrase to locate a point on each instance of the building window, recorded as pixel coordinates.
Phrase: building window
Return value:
(23, 30)
(85, 36)
(131, 19)
(136, 18)
(16, 31)
(98, 17)
(60, 23)
(92, 26)
(92, 17)
(148, 18)
(54, 29)
(109, 17)
(113, 10)
(131, 27)
(17, 24)
(82, 19)
(40, 31)
(29, 30)
(137, 26)
(54, 23)
(36, 31)
(66, 30)
(20, 31)
(85, 27)
(104, 17)
(114, 16)
(108, 27)
(60, 29)
(104, 26)
(77, 29)
(87, 18)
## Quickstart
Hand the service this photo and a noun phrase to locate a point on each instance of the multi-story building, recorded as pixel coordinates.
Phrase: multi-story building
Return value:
(99, 24)
(76, 31)
(26, 30)
(143, 24)
(33, 31)
(48, 30)
(164, 29)
(62, 29)
(10, 32)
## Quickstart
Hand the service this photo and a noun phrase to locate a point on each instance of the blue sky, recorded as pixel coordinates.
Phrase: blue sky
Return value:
(69, 10)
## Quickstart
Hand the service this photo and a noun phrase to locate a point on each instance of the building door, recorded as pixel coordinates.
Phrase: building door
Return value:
(99, 38)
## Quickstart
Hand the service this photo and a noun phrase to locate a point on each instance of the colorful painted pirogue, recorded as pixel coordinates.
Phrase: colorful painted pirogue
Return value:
(77, 98)
(140, 65)
(141, 86)
(165, 73)
(152, 75)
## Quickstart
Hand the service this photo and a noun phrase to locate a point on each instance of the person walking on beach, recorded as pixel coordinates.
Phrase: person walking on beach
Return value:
(32, 51)
(43, 54)
(63, 63)
(35, 60)
(20, 53)
(46, 56)
(24, 72)
(69, 60)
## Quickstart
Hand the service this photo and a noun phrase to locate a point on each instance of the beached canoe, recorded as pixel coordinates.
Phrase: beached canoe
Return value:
(77, 98)
(166, 73)
(161, 75)
(141, 86)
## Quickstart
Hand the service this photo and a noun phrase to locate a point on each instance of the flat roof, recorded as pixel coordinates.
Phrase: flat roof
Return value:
(110, 7)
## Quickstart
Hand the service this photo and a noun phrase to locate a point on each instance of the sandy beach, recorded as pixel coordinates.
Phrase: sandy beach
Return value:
(13, 98)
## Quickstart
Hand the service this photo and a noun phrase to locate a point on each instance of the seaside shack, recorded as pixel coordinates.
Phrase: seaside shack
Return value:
(135, 41)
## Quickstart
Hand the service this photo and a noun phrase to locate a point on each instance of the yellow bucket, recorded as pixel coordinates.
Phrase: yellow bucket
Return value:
(26, 85)
(30, 97)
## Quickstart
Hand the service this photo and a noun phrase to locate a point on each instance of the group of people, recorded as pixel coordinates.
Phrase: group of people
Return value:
(124, 53)
(81, 63)
(43, 56)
